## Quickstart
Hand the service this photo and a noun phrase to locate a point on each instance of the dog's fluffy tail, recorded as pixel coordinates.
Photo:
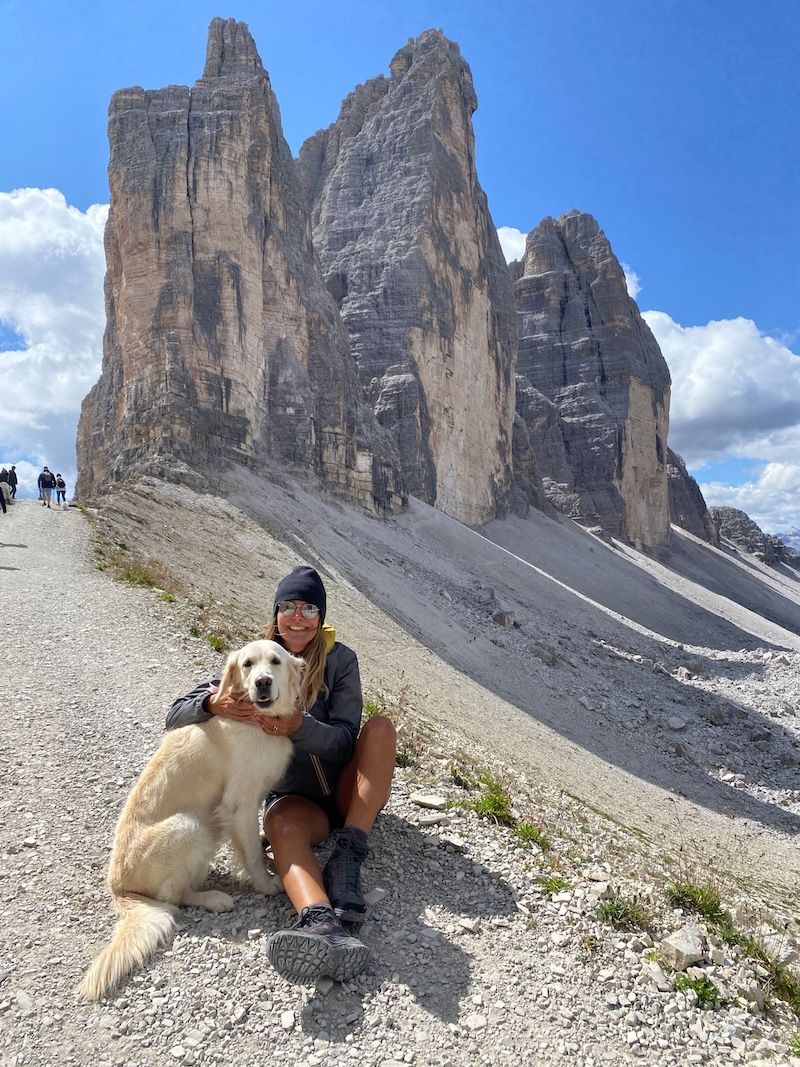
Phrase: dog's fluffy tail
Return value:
(143, 926)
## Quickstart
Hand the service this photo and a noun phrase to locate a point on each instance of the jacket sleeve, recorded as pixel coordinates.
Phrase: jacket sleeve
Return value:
(335, 739)
(190, 709)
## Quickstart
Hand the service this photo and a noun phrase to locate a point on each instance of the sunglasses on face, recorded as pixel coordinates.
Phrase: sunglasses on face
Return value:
(308, 611)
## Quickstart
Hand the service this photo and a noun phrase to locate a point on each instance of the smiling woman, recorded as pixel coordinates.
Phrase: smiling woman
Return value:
(339, 778)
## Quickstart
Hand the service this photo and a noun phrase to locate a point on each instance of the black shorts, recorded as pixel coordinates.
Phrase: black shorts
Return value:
(327, 804)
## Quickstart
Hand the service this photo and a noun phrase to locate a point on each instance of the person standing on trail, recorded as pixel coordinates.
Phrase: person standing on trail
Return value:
(61, 491)
(12, 481)
(339, 778)
(47, 484)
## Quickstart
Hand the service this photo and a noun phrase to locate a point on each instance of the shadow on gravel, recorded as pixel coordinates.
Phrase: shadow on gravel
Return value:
(418, 872)
(3, 544)
(9, 568)
(409, 941)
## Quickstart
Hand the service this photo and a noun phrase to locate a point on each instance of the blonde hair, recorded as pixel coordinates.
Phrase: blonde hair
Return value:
(315, 653)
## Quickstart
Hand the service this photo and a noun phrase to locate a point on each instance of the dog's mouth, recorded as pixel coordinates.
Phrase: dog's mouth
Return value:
(262, 703)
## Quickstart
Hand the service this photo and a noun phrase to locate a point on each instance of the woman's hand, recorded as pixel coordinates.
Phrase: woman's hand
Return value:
(230, 705)
(280, 727)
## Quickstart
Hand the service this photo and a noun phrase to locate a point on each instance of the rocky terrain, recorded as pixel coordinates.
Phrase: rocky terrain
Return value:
(644, 723)
(740, 530)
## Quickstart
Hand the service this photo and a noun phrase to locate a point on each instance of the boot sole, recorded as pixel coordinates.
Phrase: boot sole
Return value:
(306, 958)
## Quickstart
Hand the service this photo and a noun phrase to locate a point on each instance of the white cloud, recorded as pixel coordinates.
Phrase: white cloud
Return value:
(512, 241)
(51, 294)
(631, 281)
(773, 501)
(735, 391)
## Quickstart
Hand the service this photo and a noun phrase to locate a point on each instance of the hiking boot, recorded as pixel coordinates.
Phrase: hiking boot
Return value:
(317, 945)
(342, 875)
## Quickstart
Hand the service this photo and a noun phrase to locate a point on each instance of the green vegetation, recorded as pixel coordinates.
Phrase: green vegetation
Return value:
(551, 883)
(372, 708)
(217, 642)
(527, 833)
(794, 1044)
(702, 899)
(623, 914)
(462, 777)
(137, 575)
(168, 597)
(494, 802)
(194, 630)
(404, 758)
(708, 996)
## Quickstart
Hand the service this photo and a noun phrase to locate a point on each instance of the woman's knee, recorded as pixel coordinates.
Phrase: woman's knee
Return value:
(294, 820)
(379, 731)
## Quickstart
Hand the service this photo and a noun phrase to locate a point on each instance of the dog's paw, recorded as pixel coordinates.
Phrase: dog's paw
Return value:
(213, 900)
(268, 884)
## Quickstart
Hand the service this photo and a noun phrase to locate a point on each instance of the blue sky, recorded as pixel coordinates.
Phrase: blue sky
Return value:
(671, 122)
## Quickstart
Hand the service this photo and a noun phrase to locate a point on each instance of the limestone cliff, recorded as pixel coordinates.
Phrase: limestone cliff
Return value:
(686, 504)
(598, 412)
(222, 343)
(409, 251)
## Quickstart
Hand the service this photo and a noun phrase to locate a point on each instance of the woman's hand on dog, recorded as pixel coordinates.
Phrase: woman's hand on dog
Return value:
(238, 706)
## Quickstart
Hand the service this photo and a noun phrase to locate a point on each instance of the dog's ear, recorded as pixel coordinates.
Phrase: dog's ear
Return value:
(231, 681)
(297, 667)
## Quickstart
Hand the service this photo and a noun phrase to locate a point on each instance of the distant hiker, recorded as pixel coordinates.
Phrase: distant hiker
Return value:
(5, 488)
(12, 481)
(47, 484)
(61, 490)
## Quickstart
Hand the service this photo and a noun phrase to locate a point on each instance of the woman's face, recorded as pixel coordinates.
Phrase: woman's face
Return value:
(296, 630)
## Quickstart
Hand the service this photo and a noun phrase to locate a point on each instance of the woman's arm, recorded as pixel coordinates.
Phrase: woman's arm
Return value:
(192, 708)
(335, 739)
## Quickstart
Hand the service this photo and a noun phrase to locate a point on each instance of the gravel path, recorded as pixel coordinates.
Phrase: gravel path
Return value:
(473, 961)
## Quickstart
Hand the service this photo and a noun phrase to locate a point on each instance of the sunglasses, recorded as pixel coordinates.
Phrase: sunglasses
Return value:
(308, 611)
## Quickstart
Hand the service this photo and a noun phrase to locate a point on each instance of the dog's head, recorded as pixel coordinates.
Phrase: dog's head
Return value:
(267, 673)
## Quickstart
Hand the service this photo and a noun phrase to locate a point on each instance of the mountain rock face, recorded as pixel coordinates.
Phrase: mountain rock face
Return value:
(738, 528)
(593, 387)
(410, 253)
(222, 341)
(686, 504)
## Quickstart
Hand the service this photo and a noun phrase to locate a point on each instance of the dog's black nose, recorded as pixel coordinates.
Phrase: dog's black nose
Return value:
(263, 683)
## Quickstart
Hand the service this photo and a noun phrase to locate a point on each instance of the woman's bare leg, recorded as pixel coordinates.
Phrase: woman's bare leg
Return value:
(366, 781)
(294, 826)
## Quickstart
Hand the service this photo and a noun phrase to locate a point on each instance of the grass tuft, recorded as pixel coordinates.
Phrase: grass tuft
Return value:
(494, 802)
(217, 642)
(528, 833)
(700, 899)
(623, 914)
(708, 996)
(551, 883)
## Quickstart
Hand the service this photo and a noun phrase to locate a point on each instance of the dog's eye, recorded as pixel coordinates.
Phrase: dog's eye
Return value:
(247, 663)
(274, 659)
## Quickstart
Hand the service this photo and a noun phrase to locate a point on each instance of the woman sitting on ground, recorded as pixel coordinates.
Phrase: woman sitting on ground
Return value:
(339, 778)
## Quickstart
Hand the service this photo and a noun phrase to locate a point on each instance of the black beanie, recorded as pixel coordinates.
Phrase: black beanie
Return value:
(302, 584)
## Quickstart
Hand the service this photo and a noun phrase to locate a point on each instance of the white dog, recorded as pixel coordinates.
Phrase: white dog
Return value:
(202, 786)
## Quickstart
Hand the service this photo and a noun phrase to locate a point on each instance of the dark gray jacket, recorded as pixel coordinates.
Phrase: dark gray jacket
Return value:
(326, 737)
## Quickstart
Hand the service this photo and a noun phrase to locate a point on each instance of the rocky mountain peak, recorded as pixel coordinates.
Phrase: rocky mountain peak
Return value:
(231, 52)
(584, 347)
(222, 343)
(410, 253)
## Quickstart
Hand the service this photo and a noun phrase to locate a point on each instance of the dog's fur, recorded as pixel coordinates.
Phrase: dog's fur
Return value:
(202, 786)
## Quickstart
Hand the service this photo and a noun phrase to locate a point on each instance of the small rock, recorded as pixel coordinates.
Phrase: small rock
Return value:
(685, 947)
(429, 800)
(287, 1020)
